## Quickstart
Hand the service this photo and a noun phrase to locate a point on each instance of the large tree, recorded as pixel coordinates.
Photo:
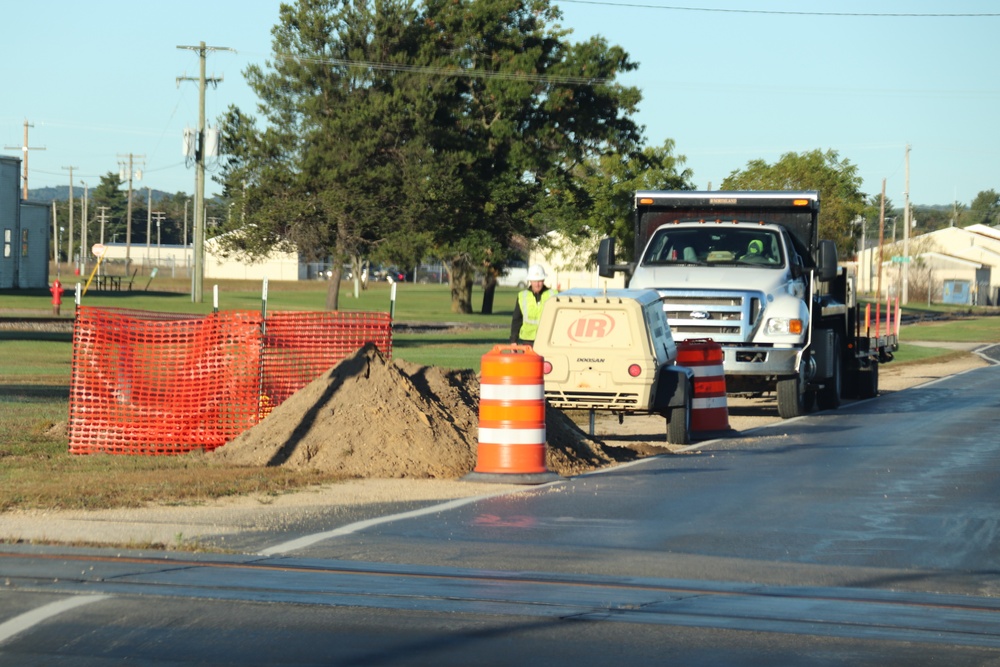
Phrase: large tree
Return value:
(611, 181)
(324, 176)
(876, 219)
(983, 210)
(837, 181)
(401, 132)
(107, 200)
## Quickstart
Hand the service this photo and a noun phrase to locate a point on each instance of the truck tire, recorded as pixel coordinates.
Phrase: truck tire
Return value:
(828, 398)
(868, 381)
(679, 424)
(794, 400)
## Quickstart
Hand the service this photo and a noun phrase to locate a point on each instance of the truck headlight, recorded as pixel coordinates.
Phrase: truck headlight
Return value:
(783, 325)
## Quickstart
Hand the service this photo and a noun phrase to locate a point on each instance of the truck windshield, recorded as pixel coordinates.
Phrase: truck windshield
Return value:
(723, 244)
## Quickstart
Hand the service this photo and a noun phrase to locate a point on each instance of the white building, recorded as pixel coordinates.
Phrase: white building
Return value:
(566, 263)
(939, 263)
(177, 261)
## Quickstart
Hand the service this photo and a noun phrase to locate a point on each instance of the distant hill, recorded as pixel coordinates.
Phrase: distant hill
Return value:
(61, 193)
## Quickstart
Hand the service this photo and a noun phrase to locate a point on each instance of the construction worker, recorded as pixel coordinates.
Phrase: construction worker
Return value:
(528, 309)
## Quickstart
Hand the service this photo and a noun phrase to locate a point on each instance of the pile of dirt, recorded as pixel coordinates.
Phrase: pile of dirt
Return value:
(367, 417)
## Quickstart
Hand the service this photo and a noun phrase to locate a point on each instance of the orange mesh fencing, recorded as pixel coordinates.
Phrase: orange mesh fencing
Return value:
(301, 346)
(163, 383)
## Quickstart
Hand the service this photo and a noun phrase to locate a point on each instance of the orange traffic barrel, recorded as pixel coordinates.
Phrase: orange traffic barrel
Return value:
(709, 409)
(511, 445)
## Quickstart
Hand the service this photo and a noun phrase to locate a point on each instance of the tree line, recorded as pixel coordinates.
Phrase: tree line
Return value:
(107, 206)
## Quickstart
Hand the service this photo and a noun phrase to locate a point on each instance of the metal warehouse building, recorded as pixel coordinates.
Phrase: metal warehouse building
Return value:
(24, 233)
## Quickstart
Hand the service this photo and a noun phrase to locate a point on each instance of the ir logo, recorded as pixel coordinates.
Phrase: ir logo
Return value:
(591, 328)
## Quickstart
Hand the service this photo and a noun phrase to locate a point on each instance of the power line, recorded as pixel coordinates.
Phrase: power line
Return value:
(717, 10)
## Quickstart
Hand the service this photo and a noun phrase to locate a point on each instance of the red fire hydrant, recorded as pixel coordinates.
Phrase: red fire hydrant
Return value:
(57, 292)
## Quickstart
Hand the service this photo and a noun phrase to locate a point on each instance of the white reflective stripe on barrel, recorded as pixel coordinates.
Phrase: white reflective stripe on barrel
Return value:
(512, 392)
(512, 436)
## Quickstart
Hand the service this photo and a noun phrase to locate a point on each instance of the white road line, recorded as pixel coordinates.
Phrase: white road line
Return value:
(309, 540)
(30, 618)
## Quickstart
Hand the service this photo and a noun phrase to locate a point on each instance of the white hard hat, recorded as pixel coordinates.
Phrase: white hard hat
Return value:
(536, 272)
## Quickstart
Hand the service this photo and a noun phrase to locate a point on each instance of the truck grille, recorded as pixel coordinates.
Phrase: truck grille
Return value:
(725, 317)
(593, 400)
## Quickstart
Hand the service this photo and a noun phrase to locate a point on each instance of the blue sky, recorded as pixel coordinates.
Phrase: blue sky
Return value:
(728, 81)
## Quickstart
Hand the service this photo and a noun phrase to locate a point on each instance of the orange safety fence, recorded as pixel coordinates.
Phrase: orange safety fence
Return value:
(164, 383)
(301, 346)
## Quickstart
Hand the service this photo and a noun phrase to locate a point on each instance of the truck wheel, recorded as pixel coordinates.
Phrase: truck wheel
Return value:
(828, 398)
(793, 398)
(868, 381)
(679, 424)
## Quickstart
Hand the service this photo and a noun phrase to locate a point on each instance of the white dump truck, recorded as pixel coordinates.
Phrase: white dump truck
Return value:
(612, 350)
(748, 271)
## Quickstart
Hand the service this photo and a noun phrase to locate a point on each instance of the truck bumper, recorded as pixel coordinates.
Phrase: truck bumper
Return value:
(760, 360)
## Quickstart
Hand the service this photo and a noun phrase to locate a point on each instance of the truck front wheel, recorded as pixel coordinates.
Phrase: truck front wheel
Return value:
(794, 400)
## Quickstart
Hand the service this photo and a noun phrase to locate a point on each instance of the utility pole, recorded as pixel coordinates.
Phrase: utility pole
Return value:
(199, 168)
(128, 215)
(906, 231)
(69, 248)
(24, 150)
(149, 223)
(83, 232)
(57, 237)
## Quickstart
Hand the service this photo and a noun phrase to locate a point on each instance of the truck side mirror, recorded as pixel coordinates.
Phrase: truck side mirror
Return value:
(606, 267)
(606, 258)
(826, 260)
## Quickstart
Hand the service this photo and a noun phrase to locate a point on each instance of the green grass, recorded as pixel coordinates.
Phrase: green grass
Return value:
(908, 354)
(964, 330)
(413, 302)
(461, 349)
(984, 330)
(36, 362)
(36, 470)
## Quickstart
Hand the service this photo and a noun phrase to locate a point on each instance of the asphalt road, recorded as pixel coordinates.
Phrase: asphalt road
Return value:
(867, 535)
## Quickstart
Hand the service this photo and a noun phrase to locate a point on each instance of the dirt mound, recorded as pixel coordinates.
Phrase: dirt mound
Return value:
(366, 417)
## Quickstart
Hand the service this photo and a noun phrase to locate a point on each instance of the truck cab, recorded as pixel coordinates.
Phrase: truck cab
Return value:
(612, 350)
(716, 279)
